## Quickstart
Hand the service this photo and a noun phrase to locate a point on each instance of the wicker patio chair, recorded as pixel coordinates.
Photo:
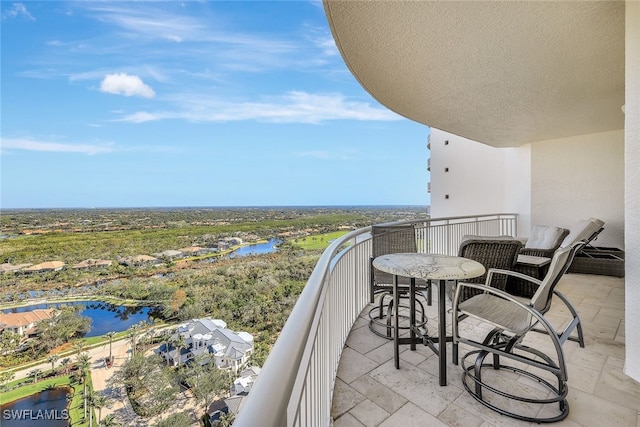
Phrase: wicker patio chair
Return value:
(389, 239)
(492, 252)
(512, 319)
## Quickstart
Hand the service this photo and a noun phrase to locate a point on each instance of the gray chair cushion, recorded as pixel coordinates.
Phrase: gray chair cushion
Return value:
(582, 230)
(545, 237)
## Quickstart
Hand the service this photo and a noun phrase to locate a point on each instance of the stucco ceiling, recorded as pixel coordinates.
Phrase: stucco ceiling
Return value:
(501, 72)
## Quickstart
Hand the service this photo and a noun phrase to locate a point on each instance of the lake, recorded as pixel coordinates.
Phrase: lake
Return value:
(105, 316)
(47, 408)
(256, 249)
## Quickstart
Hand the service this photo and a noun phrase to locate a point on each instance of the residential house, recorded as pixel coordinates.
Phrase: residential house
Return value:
(225, 406)
(245, 380)
(92, 263)
(8, 267)
(223, 245)
(24, 323)
(139, 260)
(45, 267)
(234, 241)
(169, 254)
(194, 251)
(231, 350)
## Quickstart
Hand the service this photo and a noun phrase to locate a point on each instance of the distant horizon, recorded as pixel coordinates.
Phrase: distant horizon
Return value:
(216, 207)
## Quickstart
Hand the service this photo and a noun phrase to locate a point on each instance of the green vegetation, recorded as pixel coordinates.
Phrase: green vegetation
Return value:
(65, 326)
(205, 380)
(317, 241)
(150, 384)
(253, 293)
(38, 248)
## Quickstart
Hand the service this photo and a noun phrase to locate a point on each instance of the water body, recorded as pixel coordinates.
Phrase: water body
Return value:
(47, 408)
(256, 249)
(105, 317)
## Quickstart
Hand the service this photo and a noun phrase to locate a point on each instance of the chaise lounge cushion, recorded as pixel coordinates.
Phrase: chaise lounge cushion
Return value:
(582, 230)
(545, 237)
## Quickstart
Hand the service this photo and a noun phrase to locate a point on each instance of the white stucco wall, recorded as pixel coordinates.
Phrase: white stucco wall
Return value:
(577, 178)
(632, 190)
(517, 182)
(474, 182)
(481, 179)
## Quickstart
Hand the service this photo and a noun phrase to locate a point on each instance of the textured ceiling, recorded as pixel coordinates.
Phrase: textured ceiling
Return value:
(501, 72)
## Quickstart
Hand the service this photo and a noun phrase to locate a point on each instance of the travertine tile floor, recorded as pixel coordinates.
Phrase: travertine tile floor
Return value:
(369, 391)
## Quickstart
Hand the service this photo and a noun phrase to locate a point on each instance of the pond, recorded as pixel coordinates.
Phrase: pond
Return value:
(256, 249)
(105, 316)
(47, 408)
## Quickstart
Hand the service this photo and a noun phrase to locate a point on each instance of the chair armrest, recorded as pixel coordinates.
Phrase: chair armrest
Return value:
(493, 271)
(519, 327)
(490, 290)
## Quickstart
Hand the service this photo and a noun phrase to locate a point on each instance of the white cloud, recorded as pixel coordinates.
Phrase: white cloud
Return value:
(141, 117)
(18, 9)
(292, 107)
(124, 84)
(33, 145)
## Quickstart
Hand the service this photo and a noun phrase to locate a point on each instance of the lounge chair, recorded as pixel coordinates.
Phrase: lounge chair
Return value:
(535, 261)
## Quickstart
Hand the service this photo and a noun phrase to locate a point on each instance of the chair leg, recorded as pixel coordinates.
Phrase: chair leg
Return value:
(390, 317)
(477, 372)
(566, 334)
(497, 344)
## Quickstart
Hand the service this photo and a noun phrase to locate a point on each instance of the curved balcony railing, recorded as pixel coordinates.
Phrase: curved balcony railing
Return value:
(295, 386)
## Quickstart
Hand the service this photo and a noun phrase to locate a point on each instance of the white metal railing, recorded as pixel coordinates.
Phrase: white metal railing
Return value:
(295, 386)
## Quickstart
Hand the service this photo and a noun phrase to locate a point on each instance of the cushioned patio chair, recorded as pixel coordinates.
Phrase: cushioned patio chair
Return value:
(389, 239)
(544, 240)
(584, 230)
(513, 318)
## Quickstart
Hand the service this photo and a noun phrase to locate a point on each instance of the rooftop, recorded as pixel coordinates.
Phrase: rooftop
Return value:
(369, 391)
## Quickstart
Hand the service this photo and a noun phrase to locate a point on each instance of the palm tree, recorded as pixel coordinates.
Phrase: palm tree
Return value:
(34, 373)
(53, 359)
(6, 377)
(225, 420)
(65, 364)
(179, 343)
(99, 401)
(92, 399)
(84, 363)
(109, 421)
(132, 334)
(110, 335)
(78, 348)
(166, 337)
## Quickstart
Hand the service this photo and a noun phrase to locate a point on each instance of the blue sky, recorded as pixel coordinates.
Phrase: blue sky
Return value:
(193, 103)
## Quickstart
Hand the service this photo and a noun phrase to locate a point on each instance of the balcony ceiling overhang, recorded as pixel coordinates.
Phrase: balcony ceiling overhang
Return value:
(504, 73)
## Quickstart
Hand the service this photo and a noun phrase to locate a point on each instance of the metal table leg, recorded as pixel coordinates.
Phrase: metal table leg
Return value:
(442, 332)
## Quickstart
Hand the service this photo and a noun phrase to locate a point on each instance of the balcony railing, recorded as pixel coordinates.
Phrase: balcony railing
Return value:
(295, 386)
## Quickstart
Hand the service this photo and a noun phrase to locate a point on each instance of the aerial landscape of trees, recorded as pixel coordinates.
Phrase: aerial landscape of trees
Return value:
(253, 293)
